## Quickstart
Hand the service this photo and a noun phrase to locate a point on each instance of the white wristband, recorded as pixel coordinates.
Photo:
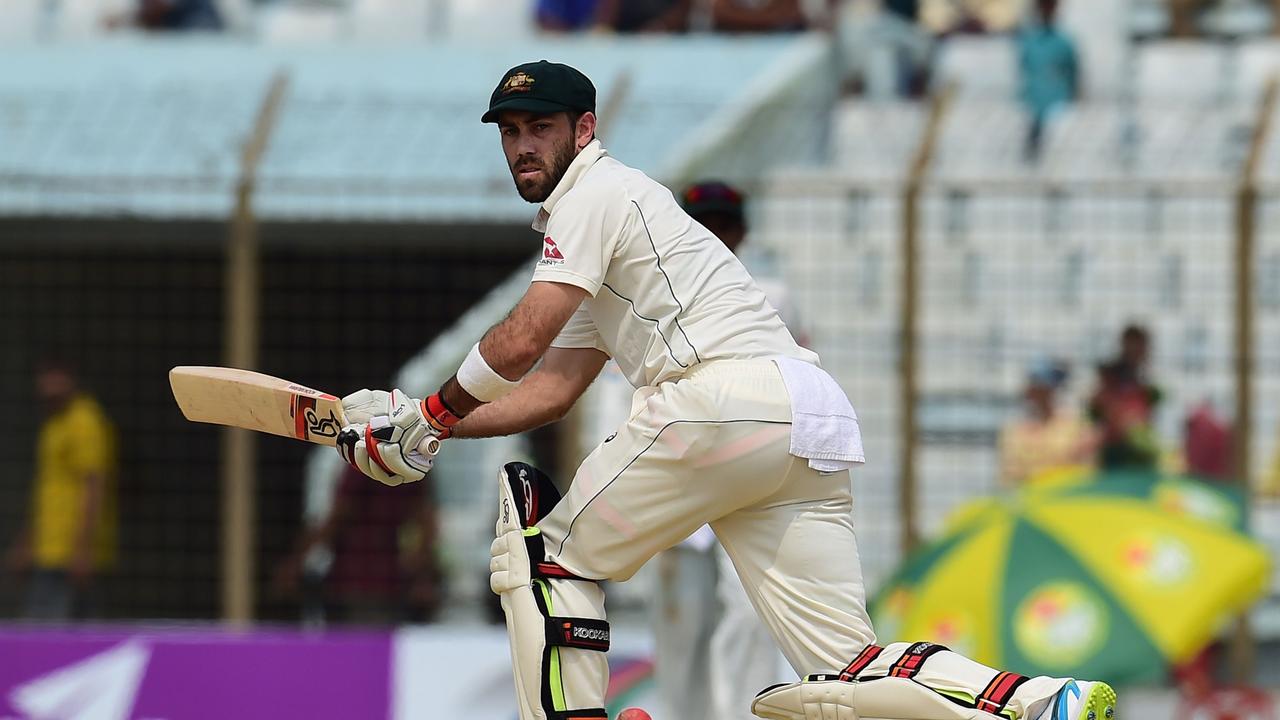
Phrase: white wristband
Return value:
(481, 381)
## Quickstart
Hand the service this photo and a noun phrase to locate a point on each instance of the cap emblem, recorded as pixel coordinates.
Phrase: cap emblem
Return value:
(519, 82)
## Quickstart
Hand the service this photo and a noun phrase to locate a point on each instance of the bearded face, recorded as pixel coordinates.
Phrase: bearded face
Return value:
(537, 175)
(539, 150)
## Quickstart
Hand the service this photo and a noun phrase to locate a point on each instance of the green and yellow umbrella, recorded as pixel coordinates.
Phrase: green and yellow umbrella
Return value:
(1108, 579)
(1182, 495)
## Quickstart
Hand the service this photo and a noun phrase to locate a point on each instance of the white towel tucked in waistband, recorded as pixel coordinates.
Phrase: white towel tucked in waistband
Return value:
(824, 428)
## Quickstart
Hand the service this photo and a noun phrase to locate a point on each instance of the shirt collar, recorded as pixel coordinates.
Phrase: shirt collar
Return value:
(586, 158)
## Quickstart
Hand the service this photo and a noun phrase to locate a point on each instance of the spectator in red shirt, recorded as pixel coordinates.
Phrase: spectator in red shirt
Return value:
(1207, 444)
(383, 540)
(1124, 405)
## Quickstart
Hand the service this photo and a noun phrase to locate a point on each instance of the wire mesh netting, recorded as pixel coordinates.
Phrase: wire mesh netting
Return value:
(343, 306)
(1012, 275)
(1025, 264)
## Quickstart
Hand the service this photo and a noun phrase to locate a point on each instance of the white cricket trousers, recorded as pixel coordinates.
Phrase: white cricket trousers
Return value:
(711, 652)
(714, 447)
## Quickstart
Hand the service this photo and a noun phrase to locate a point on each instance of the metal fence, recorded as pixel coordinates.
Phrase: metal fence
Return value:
(318, 181)
(926, 295)
(1008, 275)
(341, 305)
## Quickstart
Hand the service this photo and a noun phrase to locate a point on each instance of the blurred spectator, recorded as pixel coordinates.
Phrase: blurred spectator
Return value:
(383, 540)
(1207, 444)
(1124, 405)
(163, 15)
(886, 54)
(641, 16)
(1183, 15)
(910, 45)
(1049, 73)
(711, 652)
(952, 17)
(71, 537)
(1048, 437)
(759, 16)
(1222, 19)
(567, 15)
(719, 207)
(908, 10)
(1271, 480)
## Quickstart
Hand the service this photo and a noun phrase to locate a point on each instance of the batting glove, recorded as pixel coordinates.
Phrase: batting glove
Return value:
(388, 437)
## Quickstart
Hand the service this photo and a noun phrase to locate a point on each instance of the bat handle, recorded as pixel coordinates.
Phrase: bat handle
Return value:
(430, 446)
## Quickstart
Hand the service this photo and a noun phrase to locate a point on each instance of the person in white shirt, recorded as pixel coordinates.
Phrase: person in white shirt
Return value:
(711, 652)
(733, 424)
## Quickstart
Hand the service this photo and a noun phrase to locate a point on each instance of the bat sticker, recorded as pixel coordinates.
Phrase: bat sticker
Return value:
(326, 427)
(302, 410)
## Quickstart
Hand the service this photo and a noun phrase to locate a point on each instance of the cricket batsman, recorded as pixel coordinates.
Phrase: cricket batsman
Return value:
(732, 424)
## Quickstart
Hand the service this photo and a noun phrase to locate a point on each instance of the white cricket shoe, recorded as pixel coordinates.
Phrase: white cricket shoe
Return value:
(1083, 700)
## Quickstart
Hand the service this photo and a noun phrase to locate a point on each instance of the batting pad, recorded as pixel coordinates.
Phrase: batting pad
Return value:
(555, 619)
(826, 697)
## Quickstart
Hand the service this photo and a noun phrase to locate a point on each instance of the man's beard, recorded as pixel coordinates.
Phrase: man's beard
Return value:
(539, 190)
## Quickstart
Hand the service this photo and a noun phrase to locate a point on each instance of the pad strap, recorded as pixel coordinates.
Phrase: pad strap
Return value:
(545, 569)
(998, 692)
(553, 571)
(913, 659)
(860, 663)
(561, 632)
(581, 633)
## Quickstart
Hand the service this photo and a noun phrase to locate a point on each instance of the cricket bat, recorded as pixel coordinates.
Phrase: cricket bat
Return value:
(251, 400)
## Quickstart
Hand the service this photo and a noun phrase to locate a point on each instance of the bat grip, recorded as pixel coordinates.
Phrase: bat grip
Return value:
(430, 446)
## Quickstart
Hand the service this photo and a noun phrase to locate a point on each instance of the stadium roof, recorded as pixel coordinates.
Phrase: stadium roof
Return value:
(154, 127)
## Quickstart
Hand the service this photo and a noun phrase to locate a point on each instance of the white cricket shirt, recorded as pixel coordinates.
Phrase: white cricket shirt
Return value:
(666, 294)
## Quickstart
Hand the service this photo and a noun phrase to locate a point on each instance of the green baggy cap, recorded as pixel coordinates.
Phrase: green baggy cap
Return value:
(542, 87)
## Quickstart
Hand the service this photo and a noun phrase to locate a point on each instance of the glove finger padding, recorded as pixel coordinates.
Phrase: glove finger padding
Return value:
(400, 410)
(408, 426)
(388, 451)
(383, 461)
(505, 574)
(348, 437)
(360, 406)
(387, 437)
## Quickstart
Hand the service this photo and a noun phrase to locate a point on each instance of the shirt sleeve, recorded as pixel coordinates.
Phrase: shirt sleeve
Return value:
(580, 332)
(582, 234)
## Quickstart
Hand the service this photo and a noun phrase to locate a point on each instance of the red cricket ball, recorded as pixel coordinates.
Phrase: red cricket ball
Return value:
(634, 714)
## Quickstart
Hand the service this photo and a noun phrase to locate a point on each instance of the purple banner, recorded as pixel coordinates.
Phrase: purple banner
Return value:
(193, 674)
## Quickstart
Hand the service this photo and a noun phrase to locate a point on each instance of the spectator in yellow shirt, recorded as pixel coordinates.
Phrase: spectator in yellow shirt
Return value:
(1047, 437)
(70, 538)
(1271, 483)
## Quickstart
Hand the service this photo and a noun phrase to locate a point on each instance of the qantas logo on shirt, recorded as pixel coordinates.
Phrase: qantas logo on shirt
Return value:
(550, 253)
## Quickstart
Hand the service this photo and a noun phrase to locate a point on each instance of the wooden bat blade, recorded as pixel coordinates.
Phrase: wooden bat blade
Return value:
(251, 400)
